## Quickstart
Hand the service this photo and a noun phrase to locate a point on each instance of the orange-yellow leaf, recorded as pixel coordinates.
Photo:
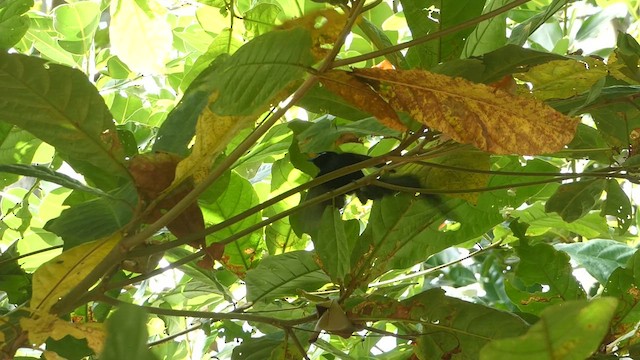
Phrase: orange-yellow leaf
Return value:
(361, 96)
(561, 79)
(491, 119)
(213, 134)
(324, 25)
(50, 326)
(55, 278)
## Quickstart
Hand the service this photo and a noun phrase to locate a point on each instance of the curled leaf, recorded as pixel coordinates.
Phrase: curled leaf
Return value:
(490, 119)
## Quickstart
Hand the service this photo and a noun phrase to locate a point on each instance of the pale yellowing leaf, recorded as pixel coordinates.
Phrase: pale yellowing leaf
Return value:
(562, 79)
(213, 134)
(361, 96)
(55, 278)
(45, 326)
(140, 35)
(324, 25)
(491, 119)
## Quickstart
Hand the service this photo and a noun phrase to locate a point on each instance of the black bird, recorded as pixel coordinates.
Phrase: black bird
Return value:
(308, 219)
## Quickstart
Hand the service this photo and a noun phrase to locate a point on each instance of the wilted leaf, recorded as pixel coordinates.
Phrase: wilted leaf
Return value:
(490, 119)
(324, 25)
(362, 96)
(153, 173)
(568, 331)
(561, 79)
(50, 326)
(333, 320)
(55, 278)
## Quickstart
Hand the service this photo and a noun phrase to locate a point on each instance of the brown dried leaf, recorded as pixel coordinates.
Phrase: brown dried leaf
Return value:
(153, 173)
(361, 96)
(324, 25)
(491, 119)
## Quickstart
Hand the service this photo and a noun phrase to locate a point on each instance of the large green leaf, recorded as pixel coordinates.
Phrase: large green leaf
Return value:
(127, 335)
(542, 266)
(238, 196)
(448, 325)
(422, 21)
(94, 219)
(261, 69)
(600, 257)
(13, 21)
(16, 146)
(521, 32)
(77, 24)
(283, 275)
(568, 331)
(623, 284)
(334, 243)
(617, 204)
(60, 106)
(574, 200)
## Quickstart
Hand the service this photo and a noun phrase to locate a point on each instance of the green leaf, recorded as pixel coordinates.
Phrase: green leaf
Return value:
(177, 131)
(588, 143)
(13, 21)
(574, 200)
(60, 106)
(522, 31)
(568, 331)
(17, 146)
(322, 101)
(77, 23)
(14, 281)
(489, 34)
(44, 38)
(283, 275)
(127, 335)
(600, 257)
(617, 204)
(261, 18)
(335, 242)
(261, 69)
(623, 284)
(589, 226)
(449, 325)
(94, 219)
(542, 265)
(423, 21)
(273, 346)
(47, 174)
(324, 132)
(238, 196)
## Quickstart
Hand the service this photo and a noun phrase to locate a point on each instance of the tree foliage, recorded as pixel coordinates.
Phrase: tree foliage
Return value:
(298, 179)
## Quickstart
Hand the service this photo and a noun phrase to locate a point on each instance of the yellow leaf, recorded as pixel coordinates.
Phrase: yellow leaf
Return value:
(491, 119)
(561, 79)
(140, 35)
(213, 134)
(619, 70)
(361, 96)
(50, 326)
(55, 278)
(324, 25)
